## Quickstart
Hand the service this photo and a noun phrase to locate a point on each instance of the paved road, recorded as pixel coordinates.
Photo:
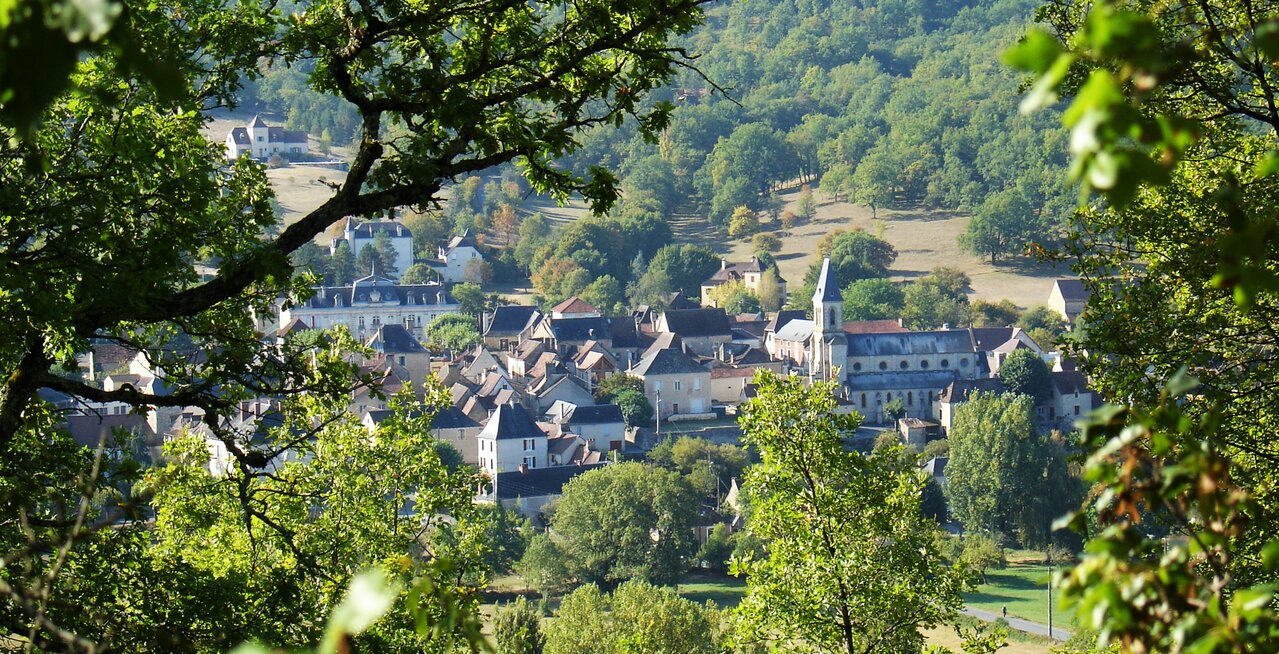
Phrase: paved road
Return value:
(1021, 625)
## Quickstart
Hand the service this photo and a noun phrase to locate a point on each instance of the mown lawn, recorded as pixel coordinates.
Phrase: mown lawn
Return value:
(726, 592)
(1023, 588)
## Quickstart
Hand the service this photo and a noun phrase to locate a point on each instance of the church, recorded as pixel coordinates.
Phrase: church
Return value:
(875, 368)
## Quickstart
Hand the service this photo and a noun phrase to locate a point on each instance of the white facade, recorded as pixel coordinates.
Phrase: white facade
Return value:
(260, 141)
(359, 235)
(370, 302)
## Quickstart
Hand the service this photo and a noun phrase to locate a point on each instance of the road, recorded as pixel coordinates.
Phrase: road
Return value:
(1021, 625)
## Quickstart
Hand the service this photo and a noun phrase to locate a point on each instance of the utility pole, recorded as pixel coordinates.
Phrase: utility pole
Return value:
(658, 413)
(1050, 595)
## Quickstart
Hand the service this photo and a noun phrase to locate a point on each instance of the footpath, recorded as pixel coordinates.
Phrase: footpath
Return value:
(1059, 633)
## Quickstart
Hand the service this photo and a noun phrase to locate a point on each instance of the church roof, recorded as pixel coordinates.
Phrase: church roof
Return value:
(827, 288)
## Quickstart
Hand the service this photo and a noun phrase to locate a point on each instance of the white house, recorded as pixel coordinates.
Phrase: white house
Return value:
(357, 235)
(370, 302)
(260, 141)
(453, 259)
(510, 441)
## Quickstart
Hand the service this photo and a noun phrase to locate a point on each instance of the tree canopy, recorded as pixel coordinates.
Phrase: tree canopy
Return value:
(850, 563)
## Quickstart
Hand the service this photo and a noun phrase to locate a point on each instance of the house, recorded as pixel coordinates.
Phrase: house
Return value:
(393, 344)
(702, 330)
(791, 342)
(1068, 297)
(600, 425)
(454, 427)
(749, 273)
(677, 385)
(370, 302)
(1072, 399)
(505, 324)
(574, 307)
(563, 335)
(958, 392)
(358, 234)
(511, 441)
(527, 490)
(260, 141)
(452, 260)
(994, 344)
(727, 383)
(916, 432)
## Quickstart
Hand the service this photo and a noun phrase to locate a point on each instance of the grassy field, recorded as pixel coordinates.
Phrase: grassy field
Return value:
(1023, 588)
(945, 636)
(725, 592)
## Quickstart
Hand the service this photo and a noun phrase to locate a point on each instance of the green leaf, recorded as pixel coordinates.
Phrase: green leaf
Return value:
(1037, 52)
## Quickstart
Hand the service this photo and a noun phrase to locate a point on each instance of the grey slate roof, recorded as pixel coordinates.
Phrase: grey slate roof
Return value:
(988, 338)
(537, 482)
(379, 290)
(580, 329)
(937, 342)
(1072, 290)
(911, 379)
(597, 414)
(692, 323)
(782, 318)
(827, 287)
(465, 240)
(796, 330)
(510, 421)
(452, 417)
(667, 362)
(510, 320)
(395, 339)
(370, 229)
(962, 388)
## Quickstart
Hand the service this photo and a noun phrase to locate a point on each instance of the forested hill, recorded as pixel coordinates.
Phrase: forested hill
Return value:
(891, 100)
(886, 102)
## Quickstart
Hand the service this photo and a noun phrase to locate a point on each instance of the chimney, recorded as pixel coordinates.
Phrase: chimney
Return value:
(523, 468)
(723, 264)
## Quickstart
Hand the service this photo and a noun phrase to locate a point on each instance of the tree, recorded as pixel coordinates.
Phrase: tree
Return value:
(452, 331)
(743, 223)
(605, 293)
(606, 391)
(994, 314)
(734, 298)
(929, 306)
(471, 298)
(980, 553)
(874, 180)
(517, 628)
(544, 566)
(1004, 477)
(873, 299)
(1026, 373)
(342, 266)
(419, 273)
(506, 223)
(507, 537)
(853, 256)
(478, 272)
(685, 266)
(637, 411)
(771, 293)
(1004, 224)
(387, 254)
(851, 564)
(635, 617)
(429, 229)
(716, 464)
(805, 207)
(626, 521)
(717, 549)
(1041, 317)
(766, 242)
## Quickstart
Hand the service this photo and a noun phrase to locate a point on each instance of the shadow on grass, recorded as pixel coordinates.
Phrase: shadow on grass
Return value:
(724, 591)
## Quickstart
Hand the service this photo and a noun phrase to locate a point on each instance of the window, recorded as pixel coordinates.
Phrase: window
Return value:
(857, 366)
(910, 398)
(675, 408)
(530, 461)
(945, 363)
(904, 364)
(678, 385)
(963, 363)
(361, 322)
(883, 365)
(401, 359)
(528, 445)
(377, 321)
(863, 400)
(1076, 409)
(697, 383)
(924, 364)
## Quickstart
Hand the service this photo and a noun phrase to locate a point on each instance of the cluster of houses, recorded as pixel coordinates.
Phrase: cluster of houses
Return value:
(522, 403)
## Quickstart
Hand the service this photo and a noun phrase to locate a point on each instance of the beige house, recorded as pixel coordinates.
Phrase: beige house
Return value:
(1068, 297)
(676, 384)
